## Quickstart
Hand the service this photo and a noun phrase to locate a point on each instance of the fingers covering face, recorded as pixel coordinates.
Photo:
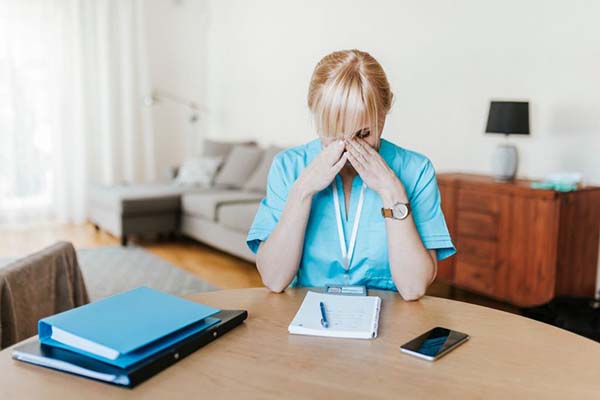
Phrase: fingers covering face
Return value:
(335, 150)
(357, 163)
(340, 163)
(358, 151)
(366, 146)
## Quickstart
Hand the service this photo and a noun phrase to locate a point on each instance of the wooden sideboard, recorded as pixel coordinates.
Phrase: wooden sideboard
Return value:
(520, 245)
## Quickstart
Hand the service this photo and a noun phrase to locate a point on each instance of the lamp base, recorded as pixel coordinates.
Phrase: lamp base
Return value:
(505, 162)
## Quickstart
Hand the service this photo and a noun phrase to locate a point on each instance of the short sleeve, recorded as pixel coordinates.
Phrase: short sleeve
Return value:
(271, 206)
(428, 216)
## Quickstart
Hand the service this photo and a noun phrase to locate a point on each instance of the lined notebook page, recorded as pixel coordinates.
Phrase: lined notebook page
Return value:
(354, 317)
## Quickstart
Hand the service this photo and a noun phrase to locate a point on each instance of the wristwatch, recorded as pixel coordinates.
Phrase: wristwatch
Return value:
(399, 211)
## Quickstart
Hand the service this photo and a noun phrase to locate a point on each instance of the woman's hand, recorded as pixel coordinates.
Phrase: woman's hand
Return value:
(279, 257)
(323, 169)
(375, 172)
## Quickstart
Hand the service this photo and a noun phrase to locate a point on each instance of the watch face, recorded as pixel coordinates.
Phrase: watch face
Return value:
(400, 211)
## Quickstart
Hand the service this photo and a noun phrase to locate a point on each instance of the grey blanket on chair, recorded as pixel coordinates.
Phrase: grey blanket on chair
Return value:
(34, 287)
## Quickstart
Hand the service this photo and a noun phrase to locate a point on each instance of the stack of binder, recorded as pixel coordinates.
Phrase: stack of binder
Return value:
(127, 338)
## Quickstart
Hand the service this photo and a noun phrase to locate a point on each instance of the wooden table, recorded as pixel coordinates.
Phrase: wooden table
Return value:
(507, 357)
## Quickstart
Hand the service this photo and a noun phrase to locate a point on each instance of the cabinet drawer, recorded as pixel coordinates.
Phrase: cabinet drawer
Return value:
(480, 278)
(477, 224)
(477, 251)
(473, 200)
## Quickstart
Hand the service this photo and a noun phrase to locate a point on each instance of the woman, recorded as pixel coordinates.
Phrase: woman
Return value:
(350, 208)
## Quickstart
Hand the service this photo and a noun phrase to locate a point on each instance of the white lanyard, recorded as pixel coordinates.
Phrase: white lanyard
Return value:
(347, 253)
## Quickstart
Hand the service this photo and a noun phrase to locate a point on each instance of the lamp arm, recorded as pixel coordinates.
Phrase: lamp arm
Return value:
(161, 94)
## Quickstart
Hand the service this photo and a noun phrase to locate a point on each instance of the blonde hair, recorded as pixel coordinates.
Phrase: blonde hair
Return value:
(348, 88)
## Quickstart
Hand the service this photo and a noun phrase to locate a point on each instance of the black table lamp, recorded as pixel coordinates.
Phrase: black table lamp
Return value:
(507, 118)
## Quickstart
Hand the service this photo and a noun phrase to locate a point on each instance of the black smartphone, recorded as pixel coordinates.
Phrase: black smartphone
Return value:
(435, 343)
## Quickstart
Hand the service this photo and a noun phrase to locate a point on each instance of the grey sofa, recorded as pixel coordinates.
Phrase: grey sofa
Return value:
(220, 218)
(125, 210)
(219, 215)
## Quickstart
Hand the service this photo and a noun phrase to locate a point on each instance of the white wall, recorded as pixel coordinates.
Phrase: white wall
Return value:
(445, 61)
(176, 47)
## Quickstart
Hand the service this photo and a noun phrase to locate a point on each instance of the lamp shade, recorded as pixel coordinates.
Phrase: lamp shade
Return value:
(508, 117)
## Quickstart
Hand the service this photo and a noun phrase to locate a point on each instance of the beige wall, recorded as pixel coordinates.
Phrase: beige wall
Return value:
(445, 61)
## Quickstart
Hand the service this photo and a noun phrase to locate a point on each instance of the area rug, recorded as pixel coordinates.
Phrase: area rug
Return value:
(115, 269)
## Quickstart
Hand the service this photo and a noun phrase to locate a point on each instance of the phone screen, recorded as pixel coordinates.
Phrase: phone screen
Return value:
(434, 343)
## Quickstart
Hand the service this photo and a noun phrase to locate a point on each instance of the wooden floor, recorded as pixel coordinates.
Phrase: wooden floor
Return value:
(214, 266)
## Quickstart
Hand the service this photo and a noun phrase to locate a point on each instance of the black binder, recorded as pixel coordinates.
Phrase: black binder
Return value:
(77, 364)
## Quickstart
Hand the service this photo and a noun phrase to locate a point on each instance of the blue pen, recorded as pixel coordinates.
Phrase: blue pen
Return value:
(324, 321)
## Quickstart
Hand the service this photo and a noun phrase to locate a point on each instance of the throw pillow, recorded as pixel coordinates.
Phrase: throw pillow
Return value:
(198, 171)
(238, 166)
(258, 180)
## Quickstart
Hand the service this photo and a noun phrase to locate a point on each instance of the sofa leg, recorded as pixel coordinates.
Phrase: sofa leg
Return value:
(124, 240)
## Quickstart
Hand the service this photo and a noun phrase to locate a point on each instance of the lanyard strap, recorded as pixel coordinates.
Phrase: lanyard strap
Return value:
(347, 252)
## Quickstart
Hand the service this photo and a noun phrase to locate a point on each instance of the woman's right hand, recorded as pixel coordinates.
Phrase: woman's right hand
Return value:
(323, 169)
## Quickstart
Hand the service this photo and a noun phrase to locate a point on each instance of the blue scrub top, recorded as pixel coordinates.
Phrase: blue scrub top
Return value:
(322, 261)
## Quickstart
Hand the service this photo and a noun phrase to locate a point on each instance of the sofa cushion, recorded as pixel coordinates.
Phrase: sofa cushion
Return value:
(258, 180)
(239, 216)
(238, 166)
(206, 204)
(198, 171)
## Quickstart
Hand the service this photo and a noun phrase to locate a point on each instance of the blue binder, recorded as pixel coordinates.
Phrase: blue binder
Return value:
(67, 361)
(128, 327)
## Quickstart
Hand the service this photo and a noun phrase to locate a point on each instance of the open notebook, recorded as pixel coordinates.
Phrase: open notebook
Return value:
(355, 317)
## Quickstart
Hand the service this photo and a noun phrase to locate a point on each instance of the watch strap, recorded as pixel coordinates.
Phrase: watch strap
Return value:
(387, 213)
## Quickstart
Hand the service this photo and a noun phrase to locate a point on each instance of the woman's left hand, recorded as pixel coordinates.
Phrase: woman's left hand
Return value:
(375, 172)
